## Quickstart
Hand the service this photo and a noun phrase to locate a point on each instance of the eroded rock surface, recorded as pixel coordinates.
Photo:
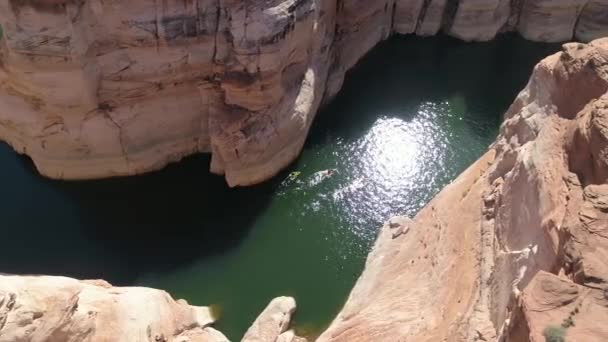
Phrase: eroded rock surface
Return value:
(519, 241)
(58, 309)
(93, 89)
(550, 301)
(103, 88)
(273, 322)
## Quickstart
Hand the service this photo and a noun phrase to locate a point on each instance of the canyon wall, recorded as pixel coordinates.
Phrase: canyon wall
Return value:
(102, 88)
(515, 248)
(515, 245)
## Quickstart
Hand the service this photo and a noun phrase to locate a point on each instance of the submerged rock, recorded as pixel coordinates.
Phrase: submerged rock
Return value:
(93, 89)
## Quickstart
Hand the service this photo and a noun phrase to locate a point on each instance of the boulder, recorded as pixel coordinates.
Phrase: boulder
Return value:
(272, 324)
(45, 308)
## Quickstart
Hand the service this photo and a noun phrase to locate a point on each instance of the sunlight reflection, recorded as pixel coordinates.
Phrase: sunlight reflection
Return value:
(396, 161)
(393, 148)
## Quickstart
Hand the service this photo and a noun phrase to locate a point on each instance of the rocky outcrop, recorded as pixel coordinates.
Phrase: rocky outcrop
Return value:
(60, 309)
(574, 311)
(92, 88)
(273, 322)
(95, 88)
(104, 88)
(53, 309)
(515, 245)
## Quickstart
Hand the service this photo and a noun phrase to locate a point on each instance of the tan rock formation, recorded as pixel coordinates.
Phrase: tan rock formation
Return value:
(290, 336)
(550, 20)
(93, 89)
(536, 202)
(58, 309)
(273, 322)
(551, 301)
(104, 88)
(480, 20)
(592, 22)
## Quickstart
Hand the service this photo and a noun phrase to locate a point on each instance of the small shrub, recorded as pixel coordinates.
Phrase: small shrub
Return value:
(568, 322)
(554, 333)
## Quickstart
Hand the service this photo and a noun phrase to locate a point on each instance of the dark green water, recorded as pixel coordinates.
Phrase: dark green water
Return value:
(410, 118)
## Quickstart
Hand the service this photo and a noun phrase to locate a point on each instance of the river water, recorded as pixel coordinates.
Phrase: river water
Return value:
(411, 116)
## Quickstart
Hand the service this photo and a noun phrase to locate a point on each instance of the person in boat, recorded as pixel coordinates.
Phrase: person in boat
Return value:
(321, 176)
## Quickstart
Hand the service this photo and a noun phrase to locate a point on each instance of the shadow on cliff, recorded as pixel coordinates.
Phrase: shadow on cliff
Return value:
(123, 228)
(394, 79)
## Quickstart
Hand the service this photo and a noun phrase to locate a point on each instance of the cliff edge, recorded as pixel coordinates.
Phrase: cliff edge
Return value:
(515, 245)
(59, 309)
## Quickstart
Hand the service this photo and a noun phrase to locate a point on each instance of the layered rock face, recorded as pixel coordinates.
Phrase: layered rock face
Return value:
(101, 88)
(58, 309)
(104, 88)
(519, 242)
(515, 248)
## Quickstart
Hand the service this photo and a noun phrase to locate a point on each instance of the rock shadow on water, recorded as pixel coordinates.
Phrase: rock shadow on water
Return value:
(119, 229)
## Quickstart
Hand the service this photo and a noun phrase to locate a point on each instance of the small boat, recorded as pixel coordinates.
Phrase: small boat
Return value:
(320, 176)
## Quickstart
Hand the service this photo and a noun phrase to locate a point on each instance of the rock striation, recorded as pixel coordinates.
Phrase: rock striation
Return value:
(551, 302)
(515, 245)
(93, 89)
(54, 309)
